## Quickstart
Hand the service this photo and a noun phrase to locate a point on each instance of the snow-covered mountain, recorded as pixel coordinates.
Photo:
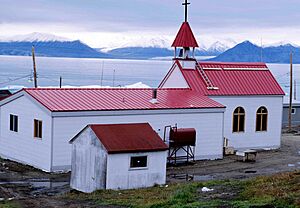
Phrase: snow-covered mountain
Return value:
(165, 42)
(47, 45)
(219, 47)
(281, 43)
(147, 47)
(34, 37)
(138, 41)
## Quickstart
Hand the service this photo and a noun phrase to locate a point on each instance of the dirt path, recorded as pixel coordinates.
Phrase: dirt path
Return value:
(287, 158)
(33, 188)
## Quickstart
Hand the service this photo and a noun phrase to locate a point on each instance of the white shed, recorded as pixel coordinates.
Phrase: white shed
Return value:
(117, 156)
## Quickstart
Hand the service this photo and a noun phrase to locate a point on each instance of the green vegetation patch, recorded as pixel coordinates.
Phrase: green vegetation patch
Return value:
(9, 204)
(281, 190)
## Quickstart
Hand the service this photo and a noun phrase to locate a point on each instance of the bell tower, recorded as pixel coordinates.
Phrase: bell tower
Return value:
(185, 40)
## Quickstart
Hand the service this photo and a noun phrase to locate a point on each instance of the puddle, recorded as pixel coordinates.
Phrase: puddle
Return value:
(203, 177)
(190, 177)
(186, 177)
(46, 183)
(250, 171)
(37, 183)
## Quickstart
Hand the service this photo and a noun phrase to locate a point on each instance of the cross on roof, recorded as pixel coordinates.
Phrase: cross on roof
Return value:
(186, 3)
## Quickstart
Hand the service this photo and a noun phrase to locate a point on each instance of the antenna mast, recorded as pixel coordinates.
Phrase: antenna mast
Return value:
(291, 92)
(34, 68)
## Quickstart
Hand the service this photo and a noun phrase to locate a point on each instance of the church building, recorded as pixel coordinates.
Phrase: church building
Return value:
(241, 102)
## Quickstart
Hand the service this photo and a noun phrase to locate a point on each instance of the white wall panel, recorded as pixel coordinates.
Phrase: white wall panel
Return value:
(209, 127)
(22, 146)
(176, 80)
(120, 176)
(250, 138)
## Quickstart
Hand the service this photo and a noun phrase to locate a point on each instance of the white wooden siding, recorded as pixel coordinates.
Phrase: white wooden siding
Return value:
(89, 163)
(209, 127)
(22, 146)
(120, 176)
(187, 64)
(250, 138)
(176, 80)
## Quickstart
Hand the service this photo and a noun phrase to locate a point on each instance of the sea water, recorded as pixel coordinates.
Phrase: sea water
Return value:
(17, 70)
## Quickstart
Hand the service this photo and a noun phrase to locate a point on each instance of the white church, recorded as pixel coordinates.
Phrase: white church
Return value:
(241, 102)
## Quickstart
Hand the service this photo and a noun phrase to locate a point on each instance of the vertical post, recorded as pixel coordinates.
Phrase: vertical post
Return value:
(175, 52)
(291, 92)
(114, 77)
(295, 89)
(193, 52)
(102, 74)
(34, 68)
(60, 82)
(261, 50)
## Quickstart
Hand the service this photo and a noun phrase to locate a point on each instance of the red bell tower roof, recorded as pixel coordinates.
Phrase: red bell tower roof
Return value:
(185, 37)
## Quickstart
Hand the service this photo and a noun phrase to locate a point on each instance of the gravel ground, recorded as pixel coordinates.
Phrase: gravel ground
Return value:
(285, 159)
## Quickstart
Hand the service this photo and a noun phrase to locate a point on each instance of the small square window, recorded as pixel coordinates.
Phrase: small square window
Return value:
(13, 123)
(38, 127)
(293, 110)
(138, 162)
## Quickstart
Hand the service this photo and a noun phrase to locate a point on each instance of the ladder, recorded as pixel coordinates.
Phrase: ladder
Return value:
(204, 76)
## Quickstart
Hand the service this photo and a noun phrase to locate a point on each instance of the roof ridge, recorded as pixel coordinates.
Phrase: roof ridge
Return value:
(119, 124)
(65, 89)
(232, 63)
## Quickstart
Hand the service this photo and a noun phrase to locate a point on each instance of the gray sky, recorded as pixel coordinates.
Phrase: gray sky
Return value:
(104, 22)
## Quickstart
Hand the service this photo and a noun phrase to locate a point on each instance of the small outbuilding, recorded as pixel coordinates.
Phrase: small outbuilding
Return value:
(117, 156)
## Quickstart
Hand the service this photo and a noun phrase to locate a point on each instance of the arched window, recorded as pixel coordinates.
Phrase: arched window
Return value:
(238, 120)
(262, 119)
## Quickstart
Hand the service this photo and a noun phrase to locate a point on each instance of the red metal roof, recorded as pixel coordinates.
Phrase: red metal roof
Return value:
(233, 65)
(80, 99)
(122, 138)
(185, 37)
(234, 79)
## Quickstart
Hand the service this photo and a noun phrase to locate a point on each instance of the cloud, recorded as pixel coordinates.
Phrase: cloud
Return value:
(242, 19)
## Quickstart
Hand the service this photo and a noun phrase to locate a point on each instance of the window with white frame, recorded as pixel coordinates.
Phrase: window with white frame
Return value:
(138, 161)
(13, 123)
(38, 128)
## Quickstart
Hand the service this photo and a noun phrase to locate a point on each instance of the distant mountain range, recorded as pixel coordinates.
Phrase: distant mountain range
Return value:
(47, 45)
(226, 50)
(249, 52)
(72, 49)
(153, 52)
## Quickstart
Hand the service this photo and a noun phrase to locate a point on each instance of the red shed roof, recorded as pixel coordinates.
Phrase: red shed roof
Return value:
(122, 138)
(80, 99)
(233, 79)
(185, 37)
